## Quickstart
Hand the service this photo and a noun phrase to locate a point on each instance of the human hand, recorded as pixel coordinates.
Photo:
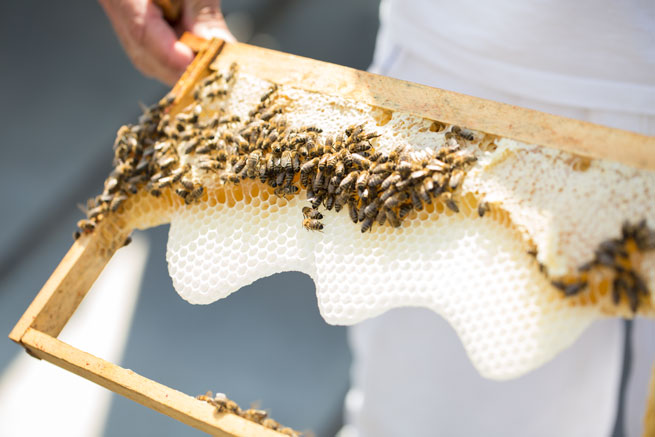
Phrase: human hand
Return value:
(150, 41)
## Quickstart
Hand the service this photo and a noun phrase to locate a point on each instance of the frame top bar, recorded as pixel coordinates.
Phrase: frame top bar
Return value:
(526, 125)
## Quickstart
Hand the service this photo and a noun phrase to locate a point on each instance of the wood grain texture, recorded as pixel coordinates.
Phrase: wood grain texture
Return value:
(151, 394)
(526, 125)
(72, 279)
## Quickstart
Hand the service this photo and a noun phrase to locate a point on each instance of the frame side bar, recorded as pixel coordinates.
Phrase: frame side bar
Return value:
(197, 70)
(526, 125)
(72, 279)
(149, 393)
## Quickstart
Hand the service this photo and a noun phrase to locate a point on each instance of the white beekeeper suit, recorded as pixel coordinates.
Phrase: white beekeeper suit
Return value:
(587, 59)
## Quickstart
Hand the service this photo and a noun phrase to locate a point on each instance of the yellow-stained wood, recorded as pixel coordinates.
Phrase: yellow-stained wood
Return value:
(649, 417)
(199, 68)
(149, 393)
(529, 126)
(72, 279)
(195, 42)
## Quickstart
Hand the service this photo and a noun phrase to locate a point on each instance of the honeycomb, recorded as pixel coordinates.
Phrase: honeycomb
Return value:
(498, 265)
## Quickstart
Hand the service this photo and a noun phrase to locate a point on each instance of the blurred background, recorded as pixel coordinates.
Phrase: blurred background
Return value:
(66, 88)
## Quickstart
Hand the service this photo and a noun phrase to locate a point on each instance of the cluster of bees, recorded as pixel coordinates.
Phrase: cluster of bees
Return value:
(613, 255)
(225, 405)
(340, 172)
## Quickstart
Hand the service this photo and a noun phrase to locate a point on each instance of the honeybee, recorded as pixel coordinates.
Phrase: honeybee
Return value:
(392, 217)
(440, 181)
(418, 174)
(396, 153)
(392, 179)
(229, 77)
(354, 130)
(387, 167)
(388, 193)
(340, 169)
(203, 150)
(111, 184)
(228, 119)
(311, 213)
(381, 217)
(455, 179)
(308, 167)
(338, 142)
(270, 423)
(311, 129)
(404, 210)
(319, 180)
(312, 224)
(362, 181)
(403, 184)
(395, 199)
(378, 157)
(239, 165)
(267, 95)
(95, 212)
(329, 201)
(287, 190)
(322, 163)
(461, 158)
(251, 163)
(295, 161)
(358, 159)
(483, 207)
(428, 185)
(254, 415)
(404, 168)
(371, 210)
(317, 199)
(463, 133)
(230, 177)
(117, 201)
(270, 113)
(194, 194)
(86, 225)
(346, 158)
(376, 179)
(165, 181)
(367, 224)
(436, 165)
(447, 197)
(179, 172)
(361, 146)
(340, 202)
(333, 184)
(416, 200)
(352, 209)
(423, 193)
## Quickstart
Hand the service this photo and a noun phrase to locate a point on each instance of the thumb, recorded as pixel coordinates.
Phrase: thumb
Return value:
(204, 18)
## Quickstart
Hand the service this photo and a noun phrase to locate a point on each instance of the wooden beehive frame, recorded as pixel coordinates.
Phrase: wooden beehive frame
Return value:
(38, 328)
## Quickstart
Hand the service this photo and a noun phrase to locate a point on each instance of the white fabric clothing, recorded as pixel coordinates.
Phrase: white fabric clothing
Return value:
(410, 373)
(596, 53)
